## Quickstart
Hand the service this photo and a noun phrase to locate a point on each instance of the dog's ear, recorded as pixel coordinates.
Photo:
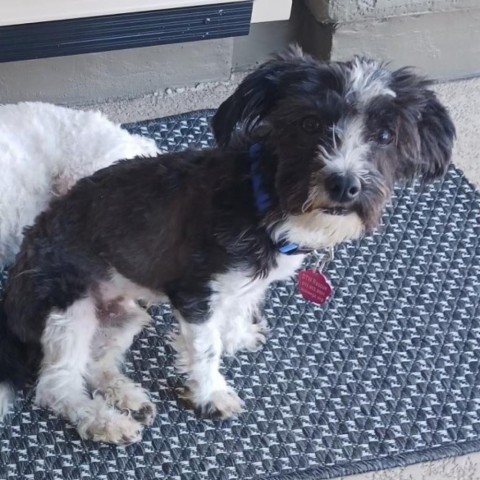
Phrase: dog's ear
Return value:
(251, 101)
(437, 134)
(258, 93)
(427, 130)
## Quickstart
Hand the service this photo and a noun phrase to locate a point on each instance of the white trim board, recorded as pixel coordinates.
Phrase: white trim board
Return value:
(14, 12)
(271, 10)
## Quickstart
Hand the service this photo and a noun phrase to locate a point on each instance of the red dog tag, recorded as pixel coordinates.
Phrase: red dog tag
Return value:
(314, 286)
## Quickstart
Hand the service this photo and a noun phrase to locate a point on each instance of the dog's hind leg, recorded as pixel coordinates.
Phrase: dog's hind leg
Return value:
(115, 337)
(66, 342)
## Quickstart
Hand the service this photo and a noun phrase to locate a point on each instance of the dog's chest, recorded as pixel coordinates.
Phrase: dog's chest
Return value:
(238, 289)
(287, 265)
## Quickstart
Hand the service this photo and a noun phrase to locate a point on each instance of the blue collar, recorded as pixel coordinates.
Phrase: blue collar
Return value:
(263, 200)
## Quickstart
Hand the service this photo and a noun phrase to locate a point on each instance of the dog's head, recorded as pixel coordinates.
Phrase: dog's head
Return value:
(343, 132)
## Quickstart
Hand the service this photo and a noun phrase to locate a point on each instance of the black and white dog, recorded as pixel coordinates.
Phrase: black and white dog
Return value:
(307, 156)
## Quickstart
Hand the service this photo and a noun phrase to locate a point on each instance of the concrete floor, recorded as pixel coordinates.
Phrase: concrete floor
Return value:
(463, 101)
(169, 101)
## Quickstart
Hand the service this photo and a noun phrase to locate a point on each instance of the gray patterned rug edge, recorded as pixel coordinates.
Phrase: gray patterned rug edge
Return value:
(396, 461)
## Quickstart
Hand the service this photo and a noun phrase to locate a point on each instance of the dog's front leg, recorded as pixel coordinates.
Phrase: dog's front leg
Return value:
(199, 348)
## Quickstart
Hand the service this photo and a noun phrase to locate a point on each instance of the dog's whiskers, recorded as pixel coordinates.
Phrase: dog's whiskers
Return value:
(25, 272)
(334, 137)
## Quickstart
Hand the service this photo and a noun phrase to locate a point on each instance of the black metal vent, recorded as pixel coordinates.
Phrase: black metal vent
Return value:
(129, 30)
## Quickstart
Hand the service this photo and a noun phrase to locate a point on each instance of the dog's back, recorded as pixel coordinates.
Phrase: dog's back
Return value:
(81, 237)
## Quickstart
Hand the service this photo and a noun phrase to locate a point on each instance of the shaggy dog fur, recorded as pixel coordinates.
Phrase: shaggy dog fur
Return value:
(44, 150)
(308, 155)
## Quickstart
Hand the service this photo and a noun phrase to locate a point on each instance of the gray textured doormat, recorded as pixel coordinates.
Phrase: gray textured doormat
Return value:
(386, 374)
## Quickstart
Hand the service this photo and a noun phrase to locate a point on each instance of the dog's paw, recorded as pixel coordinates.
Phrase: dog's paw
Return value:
(145, 414)
(131, 398)
(222, 404)
(111, 427)
(258, 336)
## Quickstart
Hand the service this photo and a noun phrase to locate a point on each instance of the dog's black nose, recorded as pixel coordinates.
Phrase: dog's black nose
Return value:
(343, 188)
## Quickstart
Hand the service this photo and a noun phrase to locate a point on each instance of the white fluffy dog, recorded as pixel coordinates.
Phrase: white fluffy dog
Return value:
(44, 150)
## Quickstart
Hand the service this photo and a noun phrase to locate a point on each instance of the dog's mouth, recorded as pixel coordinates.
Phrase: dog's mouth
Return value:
(338, 211)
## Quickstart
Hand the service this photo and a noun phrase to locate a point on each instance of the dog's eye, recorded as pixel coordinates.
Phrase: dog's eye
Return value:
(384, 137)
(311, 124)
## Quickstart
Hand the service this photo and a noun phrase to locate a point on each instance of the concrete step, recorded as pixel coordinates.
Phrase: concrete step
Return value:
(439, 37)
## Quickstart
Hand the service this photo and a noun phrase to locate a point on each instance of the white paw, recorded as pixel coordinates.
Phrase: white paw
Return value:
(131, 398)
(258, 337)
(220, 404)
(145, 414)
(110, 426)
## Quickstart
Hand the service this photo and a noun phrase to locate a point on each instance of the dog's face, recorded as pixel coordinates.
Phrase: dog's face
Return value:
(343, 133)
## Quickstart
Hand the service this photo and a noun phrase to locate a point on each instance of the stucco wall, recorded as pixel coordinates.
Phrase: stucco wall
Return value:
(352, 10)
(118, 74)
